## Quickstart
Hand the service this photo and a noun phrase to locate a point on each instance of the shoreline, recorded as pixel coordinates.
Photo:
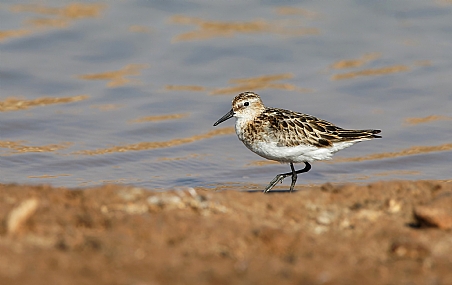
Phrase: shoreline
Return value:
(388, 232)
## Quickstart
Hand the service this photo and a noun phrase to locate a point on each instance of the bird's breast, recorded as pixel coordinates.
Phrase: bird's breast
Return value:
(250, 132)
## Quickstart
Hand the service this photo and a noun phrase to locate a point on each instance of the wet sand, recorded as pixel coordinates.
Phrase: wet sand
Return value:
(396, 232)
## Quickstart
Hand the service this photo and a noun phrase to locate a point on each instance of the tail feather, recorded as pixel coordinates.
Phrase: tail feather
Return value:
(359, 134)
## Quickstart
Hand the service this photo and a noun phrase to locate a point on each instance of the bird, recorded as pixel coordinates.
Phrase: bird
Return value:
(288, 137)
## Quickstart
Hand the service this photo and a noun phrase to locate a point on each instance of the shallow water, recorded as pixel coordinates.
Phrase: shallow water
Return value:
(127, 92)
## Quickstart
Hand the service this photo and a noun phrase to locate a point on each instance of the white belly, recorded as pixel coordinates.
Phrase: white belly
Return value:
(301, 153)
(271, 150)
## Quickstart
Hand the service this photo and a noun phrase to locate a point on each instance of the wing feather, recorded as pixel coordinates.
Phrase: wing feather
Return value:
(289, 129)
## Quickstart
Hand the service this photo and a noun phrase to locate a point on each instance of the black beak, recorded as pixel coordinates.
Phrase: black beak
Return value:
(229, 115)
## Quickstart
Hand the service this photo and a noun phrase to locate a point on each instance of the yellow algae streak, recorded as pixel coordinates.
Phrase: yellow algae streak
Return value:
(14, 104)
(46, 176)
(371, 72)
(286, 10)
(210, 29)
(259, 83)
(56, 17)
(262, 79)
(184, 88)
(397, 172)
(159, 118)
(117, 78)
(416, 121)
(18, 147)
(106, 107)
(13, 34)
(262, 163)
(352, 63)
(386, 173)
(162, 144)
(46, 22)
(414, 150)
(70, 11)
(190, 156)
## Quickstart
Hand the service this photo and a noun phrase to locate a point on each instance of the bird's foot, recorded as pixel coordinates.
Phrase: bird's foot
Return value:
(278, 178)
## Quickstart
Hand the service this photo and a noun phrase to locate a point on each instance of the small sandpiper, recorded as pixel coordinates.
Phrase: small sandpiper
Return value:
(288, 137)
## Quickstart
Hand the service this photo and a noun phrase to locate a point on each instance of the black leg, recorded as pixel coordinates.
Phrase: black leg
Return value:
(280, 177)
(294, 177)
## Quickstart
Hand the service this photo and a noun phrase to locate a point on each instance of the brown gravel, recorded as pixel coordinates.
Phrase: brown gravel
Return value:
(331, 234)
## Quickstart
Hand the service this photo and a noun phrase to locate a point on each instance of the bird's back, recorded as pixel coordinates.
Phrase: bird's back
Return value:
(290, 129)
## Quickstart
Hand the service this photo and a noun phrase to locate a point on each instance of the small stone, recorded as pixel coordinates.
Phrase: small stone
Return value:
(325, 218)
(394, 206)
(369, 215)
(135, 208)
(166, 201)
(19, 215)
(437, 213)
(409, 250)
(131, 194)
(320, 230)
(345, 224)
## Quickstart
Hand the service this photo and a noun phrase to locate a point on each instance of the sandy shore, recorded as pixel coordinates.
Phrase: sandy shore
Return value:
(384, 233)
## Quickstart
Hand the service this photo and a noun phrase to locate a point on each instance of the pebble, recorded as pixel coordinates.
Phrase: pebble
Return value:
(409, 249)
(394, 206)
(19, 215)
(437, 213)
(325, 217)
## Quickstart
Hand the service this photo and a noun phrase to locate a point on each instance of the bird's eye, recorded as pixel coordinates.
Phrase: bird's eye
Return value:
(246, 104)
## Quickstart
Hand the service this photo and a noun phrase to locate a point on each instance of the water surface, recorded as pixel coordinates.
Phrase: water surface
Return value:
(127, 92)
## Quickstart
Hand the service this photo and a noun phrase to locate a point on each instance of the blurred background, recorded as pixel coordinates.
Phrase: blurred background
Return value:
(127, 91)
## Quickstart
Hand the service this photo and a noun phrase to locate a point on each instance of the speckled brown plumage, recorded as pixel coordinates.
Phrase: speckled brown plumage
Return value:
(292, 129)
